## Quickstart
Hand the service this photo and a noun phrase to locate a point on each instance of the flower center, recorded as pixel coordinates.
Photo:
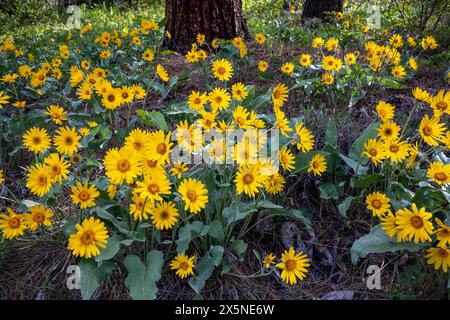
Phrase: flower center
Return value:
(123, 165)
(14, 223)
(427, 131)
(276, 94)
(84, 196)
(197, 100)
(164, 215)
(443, 253)
(248, 178)
(315, 164)
(69, 141)
(161, 148)
(221, 70)
(373, 152)
(138, 145)
(152, 163)
(291, 265)
(153, 188)
(42, 180)
(394, 148)
(191, 195)
(184, 265)
(87, 237)
(376, 204)
(416, 222)
(441, 105)
(440, 176)
(37, 140)
(388, 132)
(39, 217)
(111, 98)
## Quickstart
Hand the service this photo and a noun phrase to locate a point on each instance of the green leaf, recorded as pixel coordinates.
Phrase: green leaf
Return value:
(112, 247)
(91, 275)
(142, 278)
(187, 232)
(357, 147)
(239, 246)
(328, 191)
(377, 241)
(302, 216)
(345, 205)
(205, 268)
(216, 231)
(268, 205)
(357, 167)
(331, 134)
(238, 212)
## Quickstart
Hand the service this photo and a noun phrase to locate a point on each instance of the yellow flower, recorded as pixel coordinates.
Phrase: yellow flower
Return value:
(197, 100)
(178, 169)
(396, 41)
(332, 44)
(112, 190)
(431, 130)
(36, 140)
(76, 76)
(12, 224)
(274, 183)
(58, 167)
(222, 69)
(84, 91)
(138, 91)
(421, 95)
(219, 98)
(140, 208)
(269, 260)
(398, 72)
(194, 194)
(137, 140)
(439, 172)
(159, 147)
(317, 42)
(350, 58)
(126, 94)
(105, 54)
(389, 131)
(153, 186)
(318, 165)
(386, 111)
(389, 224)
(239, 91)
(57, 113)
(84, 194)
(282, 122)
(287, 159)
(429, 43)
(9, 78)
(293, 265)
(440, 257)
(184, 265)
(304, 139)
(260, 38)
(378, 203)
(440, 103)
(249, 179)
(162, 73)
(122, 165)
(165, 215)
(263, 65)
(112, 98)
(413, 63)
(4, 99)
(90, 235)
(374, 150)
(397, 150)
(442, 233)
(446, 140)
(279, 95)
(39, 179)
(66, 140)
(38, 216)
(2, 179)
(148, 55)
(328, 63)
(414, 224)
(200, 39)
(287, 68)
(327, 78)
(305, 60)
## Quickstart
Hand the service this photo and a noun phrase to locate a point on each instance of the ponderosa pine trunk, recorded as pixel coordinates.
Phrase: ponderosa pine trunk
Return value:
(318, 8)
(216, 19)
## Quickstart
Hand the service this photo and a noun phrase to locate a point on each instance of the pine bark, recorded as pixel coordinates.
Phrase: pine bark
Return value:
(221, 19)
(318, 8)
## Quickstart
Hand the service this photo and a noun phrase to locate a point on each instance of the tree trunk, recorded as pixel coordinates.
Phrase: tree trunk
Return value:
(215, 19)
(318, 8)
